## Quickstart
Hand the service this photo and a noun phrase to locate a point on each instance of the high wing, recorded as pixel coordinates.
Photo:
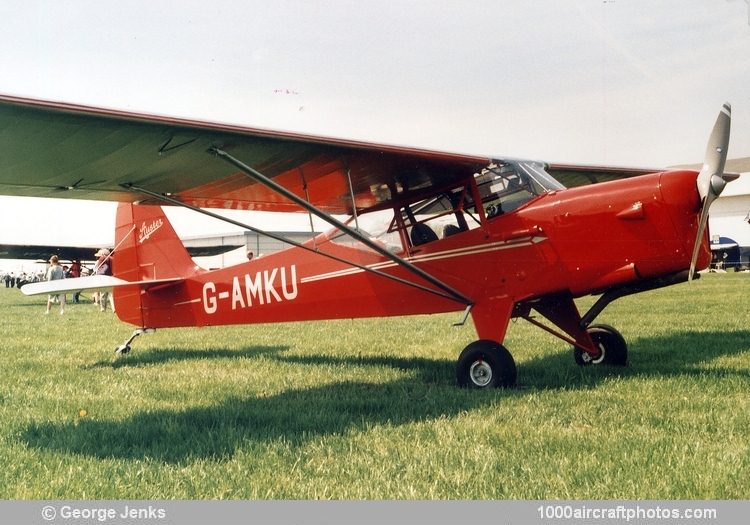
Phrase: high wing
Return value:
(66, 151)
(572, 175)
(738, 165)
(52, 149)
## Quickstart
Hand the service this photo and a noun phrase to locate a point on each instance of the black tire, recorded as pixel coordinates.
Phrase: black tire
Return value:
(486, 364)
(610, 341)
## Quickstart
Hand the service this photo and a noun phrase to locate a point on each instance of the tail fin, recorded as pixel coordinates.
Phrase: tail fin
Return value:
(146, 247)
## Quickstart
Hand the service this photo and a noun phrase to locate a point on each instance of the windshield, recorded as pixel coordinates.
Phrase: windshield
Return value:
(506, 186)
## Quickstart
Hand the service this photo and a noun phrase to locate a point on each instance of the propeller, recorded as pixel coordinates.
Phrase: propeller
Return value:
(712, 179)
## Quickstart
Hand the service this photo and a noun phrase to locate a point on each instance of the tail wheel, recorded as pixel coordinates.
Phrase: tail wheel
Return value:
(486, 364)
(610, 342)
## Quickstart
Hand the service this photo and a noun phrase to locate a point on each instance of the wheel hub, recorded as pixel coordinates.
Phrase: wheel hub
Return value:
(480, 373)
(599, 359)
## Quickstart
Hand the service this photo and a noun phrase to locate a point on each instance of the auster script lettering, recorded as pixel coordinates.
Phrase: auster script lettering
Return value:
(147, 231)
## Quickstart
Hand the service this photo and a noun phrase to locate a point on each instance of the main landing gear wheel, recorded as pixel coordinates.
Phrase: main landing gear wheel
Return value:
(486, 364)
(610, 342)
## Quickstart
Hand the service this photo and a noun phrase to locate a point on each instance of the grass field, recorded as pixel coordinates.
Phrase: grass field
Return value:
(368, 408)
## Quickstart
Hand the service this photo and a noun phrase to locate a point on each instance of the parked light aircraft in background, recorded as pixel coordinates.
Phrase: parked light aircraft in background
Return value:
(429, 231)
(67, 254)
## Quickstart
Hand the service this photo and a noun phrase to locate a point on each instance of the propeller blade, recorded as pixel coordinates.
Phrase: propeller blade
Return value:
(701, 228)
(716, 152)
(711, 179)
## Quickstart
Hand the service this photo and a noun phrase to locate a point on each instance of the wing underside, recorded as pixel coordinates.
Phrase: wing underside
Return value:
(64, 151)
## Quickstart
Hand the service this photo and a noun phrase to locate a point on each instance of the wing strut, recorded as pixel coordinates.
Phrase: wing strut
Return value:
(281, 238)
(281, 190)
(351, 192)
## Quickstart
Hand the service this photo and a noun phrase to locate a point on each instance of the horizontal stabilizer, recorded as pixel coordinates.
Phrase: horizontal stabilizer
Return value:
(91, 283)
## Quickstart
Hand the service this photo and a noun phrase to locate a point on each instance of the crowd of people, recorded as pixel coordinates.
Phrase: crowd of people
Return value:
(18, 279)
(56, 271)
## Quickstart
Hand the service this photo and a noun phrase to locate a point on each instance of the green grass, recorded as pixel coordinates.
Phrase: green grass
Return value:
(368, 408)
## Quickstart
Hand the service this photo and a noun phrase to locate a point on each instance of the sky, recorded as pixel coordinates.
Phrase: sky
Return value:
(615, 82)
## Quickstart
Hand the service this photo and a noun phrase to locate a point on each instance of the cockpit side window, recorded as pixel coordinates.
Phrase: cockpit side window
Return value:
(438, 217)
(504, 187)
(376, 226)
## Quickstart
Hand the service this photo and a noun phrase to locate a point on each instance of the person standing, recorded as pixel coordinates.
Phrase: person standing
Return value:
(103, 266)
(54, 273)
(75, 271)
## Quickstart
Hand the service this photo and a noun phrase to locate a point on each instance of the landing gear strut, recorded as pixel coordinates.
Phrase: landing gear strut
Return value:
(125, 347)
(486, 364)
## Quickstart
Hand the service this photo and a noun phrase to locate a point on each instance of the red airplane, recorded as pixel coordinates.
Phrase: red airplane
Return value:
(428, 231)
